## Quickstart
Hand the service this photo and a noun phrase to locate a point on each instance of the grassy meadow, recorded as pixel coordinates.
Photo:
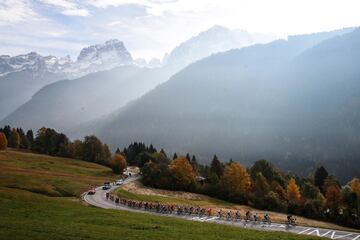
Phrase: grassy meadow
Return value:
(37, 202)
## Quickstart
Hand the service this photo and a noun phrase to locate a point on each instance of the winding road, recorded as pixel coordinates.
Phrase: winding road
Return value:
(99, 200)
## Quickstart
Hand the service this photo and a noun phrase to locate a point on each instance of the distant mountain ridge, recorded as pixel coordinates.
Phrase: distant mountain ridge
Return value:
(105, 57)
(21, 76)
(288, 101)
(91, 59)
(214, 40)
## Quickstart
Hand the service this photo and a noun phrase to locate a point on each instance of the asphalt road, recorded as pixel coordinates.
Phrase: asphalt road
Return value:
(99, 200)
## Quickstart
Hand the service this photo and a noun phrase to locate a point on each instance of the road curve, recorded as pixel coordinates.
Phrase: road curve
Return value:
(99, 200)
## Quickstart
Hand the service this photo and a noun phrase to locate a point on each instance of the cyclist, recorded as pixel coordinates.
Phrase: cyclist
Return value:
(267, 218)
(247, 218)
(237, 215)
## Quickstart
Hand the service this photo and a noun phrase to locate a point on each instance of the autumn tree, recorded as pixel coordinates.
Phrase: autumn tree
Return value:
(183, 173)
(236, 181)
(24, 142)
(293, 191)
(262, 187)
(95, 151)
(118, 163)
(333, 197)
(14, 139)
(3, 141)
(77, 150)
(355, 186)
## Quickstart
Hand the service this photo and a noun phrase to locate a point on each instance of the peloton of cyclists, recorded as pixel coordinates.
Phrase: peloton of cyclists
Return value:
(198, 211)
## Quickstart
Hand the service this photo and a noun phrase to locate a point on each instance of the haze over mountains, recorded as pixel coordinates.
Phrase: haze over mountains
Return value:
(21, 76)
(290, 102)
(95, 93)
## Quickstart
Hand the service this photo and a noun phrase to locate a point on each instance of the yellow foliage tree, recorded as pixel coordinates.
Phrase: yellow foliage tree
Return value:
(182, 172)
(236, 180)
(14, 139)
(355, 186)
(293, 191)
(118, 163)
(3, 141)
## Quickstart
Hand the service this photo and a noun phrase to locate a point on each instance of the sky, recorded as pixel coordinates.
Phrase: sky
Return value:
(151, 28)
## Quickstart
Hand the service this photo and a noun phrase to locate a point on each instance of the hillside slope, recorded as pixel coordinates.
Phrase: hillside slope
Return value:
(287, 101)
(65, 104)
(35, 204)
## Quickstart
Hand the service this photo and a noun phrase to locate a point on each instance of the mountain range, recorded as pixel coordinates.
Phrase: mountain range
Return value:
(103, 78)
(293, 102)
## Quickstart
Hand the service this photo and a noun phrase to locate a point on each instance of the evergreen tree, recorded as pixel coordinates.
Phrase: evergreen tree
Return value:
(188, 157)
(30, 136)
(320, 175)
(117, 151)
(195, 164)
(216, 167)
(7, 131)
(175, 156)
(162, 151)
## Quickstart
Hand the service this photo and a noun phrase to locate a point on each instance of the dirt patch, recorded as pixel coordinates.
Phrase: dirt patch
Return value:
(138, 188)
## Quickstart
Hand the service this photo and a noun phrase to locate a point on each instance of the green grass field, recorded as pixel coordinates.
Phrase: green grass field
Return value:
(43, 211)
(52, 176)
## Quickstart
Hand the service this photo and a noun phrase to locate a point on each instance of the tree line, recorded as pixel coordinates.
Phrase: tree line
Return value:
(263, 186)
(50, 142)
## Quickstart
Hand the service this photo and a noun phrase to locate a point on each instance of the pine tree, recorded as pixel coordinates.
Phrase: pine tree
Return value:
(175, 156)
(162, 151)
(30, 136)
(188, 157)
(117, 151)
(320, 175)
(216, 167)
(7, 131)
(195, 164)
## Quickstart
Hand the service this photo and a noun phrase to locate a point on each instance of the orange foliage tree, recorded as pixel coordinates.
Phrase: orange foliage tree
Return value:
(118, 163)
(355, 186)
(333, 197)
(3, 141)
(293, 191)
(235, 180)
(182, 173)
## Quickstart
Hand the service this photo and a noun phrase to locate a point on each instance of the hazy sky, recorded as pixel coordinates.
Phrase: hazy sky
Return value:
(149, 28)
